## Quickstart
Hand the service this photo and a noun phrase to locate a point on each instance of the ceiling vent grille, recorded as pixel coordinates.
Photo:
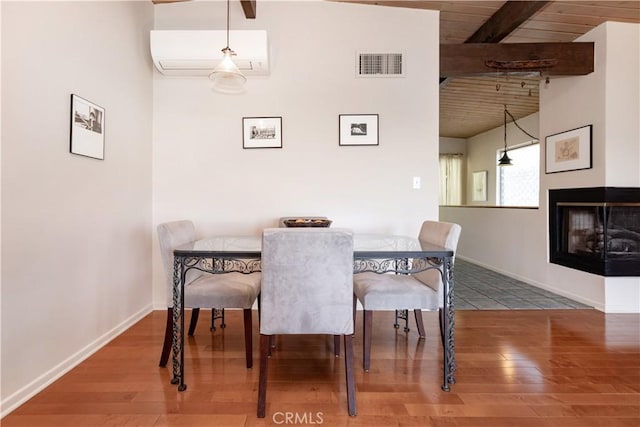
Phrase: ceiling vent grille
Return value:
(379, 65)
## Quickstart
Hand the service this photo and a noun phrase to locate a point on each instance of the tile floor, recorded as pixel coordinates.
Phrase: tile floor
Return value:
(480, 289)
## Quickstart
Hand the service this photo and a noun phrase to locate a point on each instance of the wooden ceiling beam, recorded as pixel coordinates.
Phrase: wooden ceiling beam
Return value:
(573, 59)
(510, 16)
(249, 8)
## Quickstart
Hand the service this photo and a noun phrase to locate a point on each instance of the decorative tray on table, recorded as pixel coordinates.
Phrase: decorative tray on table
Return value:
(307, 222)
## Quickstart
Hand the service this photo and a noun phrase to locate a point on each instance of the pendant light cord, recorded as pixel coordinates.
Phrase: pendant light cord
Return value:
(227, 24)
(505, 129)
(515, 123)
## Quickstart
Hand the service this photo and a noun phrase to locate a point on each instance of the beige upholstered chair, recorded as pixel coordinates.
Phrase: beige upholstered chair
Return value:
(307, 288)
(420, 291)
(204, 290)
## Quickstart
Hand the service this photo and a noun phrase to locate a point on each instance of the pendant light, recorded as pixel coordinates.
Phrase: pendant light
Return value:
(505, 160)
(226, 77)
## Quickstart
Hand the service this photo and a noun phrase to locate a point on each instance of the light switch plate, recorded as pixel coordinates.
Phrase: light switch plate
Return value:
(416, 182)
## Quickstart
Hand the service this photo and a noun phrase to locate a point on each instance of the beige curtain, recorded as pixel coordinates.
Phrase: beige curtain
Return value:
(450, 179)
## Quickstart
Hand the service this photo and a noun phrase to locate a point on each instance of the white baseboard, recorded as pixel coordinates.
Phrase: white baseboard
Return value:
(27, 392)
(596, 305)
(159, 305)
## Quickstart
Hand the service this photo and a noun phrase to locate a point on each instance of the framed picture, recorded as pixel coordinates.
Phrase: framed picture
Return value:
(262, 132)
(479, 186)
(87, 128)
(358, 129)
(569, 151)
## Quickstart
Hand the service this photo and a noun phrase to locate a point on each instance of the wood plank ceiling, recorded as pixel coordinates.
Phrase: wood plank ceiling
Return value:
(471, 105)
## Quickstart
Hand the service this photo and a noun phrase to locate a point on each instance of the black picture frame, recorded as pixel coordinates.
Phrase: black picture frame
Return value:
(261, 132)
(569, 150)
(87, 128)
(358, 129)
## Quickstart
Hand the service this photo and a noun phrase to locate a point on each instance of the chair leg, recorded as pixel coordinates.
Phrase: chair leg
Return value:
(259, 308)
(272, 344)
(366, 349)
(272, 338)
(336, 345)
(248, 337)
(168, 338)
(441, 322)
(265, 345)
(355, 306)
(348, 367)
(195, 313)
(419, 323)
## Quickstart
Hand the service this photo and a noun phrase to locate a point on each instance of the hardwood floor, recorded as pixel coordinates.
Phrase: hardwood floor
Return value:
(514, 368)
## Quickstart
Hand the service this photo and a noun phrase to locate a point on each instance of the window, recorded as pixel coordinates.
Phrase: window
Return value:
(518, 185)
(450, 179)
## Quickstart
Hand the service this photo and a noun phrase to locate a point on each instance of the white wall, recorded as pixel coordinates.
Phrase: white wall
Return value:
(200, 170)
(514, 241)
(76, 232)
(1, 405)
(622, 106)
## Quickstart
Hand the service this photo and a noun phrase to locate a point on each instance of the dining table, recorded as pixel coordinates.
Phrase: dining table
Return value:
(377, 253)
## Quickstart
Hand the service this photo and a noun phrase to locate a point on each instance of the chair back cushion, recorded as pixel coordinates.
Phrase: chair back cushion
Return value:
(444, 234)
(307, 281)
(172, 235)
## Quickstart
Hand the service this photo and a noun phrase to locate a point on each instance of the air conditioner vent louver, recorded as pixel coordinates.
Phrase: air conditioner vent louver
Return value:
(196, 53)
(380, 65)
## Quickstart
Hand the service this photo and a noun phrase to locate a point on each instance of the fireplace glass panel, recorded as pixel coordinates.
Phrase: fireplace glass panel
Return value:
(600, 231)
(596, 229)
(623, 232)
(583, 234)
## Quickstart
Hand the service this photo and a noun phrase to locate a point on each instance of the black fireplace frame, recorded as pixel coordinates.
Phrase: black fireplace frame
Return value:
(609, 196)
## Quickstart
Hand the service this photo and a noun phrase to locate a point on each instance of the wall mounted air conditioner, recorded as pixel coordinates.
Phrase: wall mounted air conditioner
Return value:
(196, 53)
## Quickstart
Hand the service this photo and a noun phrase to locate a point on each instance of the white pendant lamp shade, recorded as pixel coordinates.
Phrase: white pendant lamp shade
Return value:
(226, 77)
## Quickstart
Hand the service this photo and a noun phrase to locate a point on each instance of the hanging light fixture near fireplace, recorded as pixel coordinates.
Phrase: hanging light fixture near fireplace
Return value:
(520, 68)
(227, 77)
(505, 160)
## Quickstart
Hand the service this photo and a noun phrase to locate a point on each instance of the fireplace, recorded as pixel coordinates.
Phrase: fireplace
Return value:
(596, 229)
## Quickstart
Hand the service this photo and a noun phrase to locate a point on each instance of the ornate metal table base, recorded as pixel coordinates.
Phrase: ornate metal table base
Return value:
(217, 313)
(402, 315)
(366, 262)
(178, 319)
(214, 260)
(448, 325)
